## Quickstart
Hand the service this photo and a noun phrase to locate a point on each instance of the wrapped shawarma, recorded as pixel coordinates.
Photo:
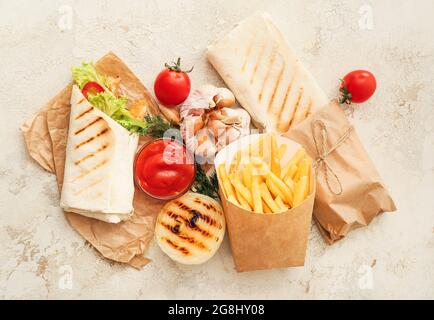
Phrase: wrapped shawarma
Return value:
(98, 180)
(265, 75)
(350, 191)
(102, 141)
(46, 135)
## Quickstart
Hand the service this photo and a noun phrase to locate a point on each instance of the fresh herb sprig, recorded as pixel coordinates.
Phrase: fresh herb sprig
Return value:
(152, 125)
(204, 184)
(156, 126)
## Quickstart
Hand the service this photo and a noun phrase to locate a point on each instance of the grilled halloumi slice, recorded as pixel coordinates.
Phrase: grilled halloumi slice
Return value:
(265, 75)
(98, 178)
(191, 228)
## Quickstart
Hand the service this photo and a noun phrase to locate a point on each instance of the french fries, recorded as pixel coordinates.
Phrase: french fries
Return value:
(246, 172)
(268, 199)
(256, 149)
(242, 201)
(227, 186)
(275, 159)
(258, 182)
(299, 155)
(300, 191)
(282, 150)
(287, 194)
(256, 194)
(290, 183)
(280, 203)
(275, 191)
(288, 171)
(237, 184)
(266, 208)
(292, 171)
(305, 166)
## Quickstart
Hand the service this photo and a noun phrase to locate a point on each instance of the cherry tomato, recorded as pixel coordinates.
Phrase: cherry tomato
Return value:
(357, 86)
(91, 88)
(172, 85)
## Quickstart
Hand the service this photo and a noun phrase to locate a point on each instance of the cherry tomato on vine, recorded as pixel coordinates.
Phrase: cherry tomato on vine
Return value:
(357, 86)
(172, 85)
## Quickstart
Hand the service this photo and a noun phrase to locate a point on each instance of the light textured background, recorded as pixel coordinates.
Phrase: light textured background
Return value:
(37, 246)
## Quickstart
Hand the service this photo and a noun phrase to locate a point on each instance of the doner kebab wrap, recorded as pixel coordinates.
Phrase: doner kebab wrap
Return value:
(102, 141)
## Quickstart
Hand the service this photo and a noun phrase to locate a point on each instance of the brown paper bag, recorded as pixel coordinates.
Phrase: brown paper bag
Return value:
(46, 135)
(349, 192)
(266, 241)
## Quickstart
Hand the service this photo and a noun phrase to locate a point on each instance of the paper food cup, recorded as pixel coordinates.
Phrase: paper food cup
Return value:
(266, 240)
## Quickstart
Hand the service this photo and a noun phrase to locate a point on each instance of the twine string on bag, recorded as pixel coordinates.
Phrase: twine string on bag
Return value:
(321, 148)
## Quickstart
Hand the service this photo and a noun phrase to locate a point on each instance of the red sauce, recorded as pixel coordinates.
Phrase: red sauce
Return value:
(164, 169)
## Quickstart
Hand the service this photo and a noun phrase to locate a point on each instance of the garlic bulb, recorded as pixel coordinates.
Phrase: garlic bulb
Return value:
(208, 121)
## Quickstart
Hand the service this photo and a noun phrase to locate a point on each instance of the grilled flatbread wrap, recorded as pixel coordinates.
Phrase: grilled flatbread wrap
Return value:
(191, 228)
(265, 75)
(98, 180)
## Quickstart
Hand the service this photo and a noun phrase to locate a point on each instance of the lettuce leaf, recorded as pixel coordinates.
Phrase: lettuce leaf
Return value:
(115, 108)
(125, 119)
(107, 102)
(87, 72)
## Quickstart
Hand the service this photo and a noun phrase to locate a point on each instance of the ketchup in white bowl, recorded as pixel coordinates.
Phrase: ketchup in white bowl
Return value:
(164, 169)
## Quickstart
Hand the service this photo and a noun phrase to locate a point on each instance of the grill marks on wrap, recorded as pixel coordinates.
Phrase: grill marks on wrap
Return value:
(92, 154)
(86, 121)
(283, 122)
(284, 126)
(278, 106)
(285, 99)
(246, 57)
(185, 226)
(307, 112)
(99, 134)
(94, 168)
(93, 184)
(276, 87)
(98, 119)
(269, 68)
(258, 62)
(82, 114)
